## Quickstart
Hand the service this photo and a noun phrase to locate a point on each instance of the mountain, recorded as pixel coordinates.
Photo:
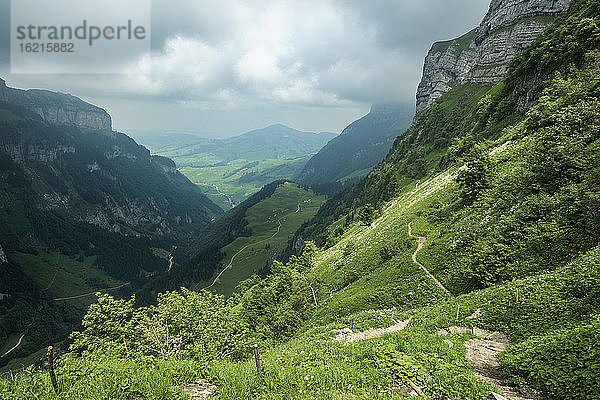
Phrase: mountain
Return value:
(156, 140)
(57, 108)
(362, 145)
(230, 170)
(83, 208)
(498, 187)
(273, 142)
(458, 66)
(481, 56)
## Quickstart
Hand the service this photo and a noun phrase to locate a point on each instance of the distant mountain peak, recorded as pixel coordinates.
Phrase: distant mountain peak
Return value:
(278, 126)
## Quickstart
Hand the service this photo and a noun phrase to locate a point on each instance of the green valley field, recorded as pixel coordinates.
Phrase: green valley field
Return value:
(230, 170)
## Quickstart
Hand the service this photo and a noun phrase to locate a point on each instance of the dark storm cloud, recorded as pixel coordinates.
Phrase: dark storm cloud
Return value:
(266, 58)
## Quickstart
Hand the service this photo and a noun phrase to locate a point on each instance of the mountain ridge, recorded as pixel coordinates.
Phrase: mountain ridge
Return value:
(82, 210)
(481, 56)
(57, 108)
(360, 146)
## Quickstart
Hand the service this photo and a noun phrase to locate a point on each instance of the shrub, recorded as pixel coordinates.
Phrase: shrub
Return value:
(184, 324)
(566, 363)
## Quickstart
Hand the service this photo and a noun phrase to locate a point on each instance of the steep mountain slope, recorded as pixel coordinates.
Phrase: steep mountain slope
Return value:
(362, 145)
(229, 170)
(499, 195)
(432, 143)
(481, 56)
(82, 209)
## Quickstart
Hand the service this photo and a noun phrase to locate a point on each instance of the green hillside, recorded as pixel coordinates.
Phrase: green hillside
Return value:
(82, 210)
(245, 240)
(465, 266)
(272, 222)
(230, 170)
(357, 150)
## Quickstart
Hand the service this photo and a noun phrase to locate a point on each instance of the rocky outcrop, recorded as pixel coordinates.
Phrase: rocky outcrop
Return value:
(58, 108)
(481, 55)
(166, 164)
(20, 152)
(3, 90)
(2, 256)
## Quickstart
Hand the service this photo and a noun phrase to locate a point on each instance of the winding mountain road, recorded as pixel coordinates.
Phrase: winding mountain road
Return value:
(14, 347)
(230, 265)
(90, 293)
(420, 242)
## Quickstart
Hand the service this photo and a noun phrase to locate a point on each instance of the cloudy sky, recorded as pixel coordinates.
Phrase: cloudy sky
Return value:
(223, 67)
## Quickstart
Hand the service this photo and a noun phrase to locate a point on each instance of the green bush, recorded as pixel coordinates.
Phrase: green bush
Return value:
(565, 364)
(184, 324)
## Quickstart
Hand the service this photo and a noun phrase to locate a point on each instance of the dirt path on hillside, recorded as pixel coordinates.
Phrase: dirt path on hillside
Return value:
(420, 242)
(14, 347)
(230, 265)
(346, 335)
(91, 293)
(482, 353)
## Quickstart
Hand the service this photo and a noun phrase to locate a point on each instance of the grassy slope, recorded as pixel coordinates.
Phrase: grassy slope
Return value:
(263, 221)
(360, 274)
(64, 276)
(59, 276)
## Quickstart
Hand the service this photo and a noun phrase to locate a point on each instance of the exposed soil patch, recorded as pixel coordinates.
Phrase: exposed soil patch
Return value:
(482, 354)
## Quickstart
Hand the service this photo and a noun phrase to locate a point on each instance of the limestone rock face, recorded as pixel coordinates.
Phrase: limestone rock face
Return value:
(481, 55)
(20, 152)
(58, 108)
(2, 256)
(3, 90)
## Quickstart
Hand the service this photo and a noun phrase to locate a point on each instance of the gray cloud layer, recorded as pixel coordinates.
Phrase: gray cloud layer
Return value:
(225, 66)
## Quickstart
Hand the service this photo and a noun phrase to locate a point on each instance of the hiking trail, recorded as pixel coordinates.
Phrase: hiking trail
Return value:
(230, 265)
(482, 353)
(420, 242)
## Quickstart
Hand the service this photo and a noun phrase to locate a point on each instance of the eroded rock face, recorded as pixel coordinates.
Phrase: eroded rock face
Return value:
(20, 152)
(2, 256)
(481, 55)
(58, 108)
(3, 89)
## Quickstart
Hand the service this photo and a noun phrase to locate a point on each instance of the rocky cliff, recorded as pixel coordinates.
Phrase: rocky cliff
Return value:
(99, 193)
(3, 90)
(481, 55)
(57, 108)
